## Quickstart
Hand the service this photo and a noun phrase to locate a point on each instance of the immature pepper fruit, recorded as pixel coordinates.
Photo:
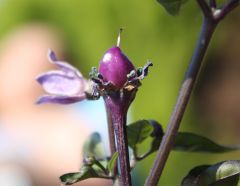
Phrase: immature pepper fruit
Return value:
(115, 66)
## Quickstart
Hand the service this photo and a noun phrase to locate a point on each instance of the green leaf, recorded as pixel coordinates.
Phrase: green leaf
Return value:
(221, 174)
(95, 164)
(138, 131)
(192, 178)
(185, 141)
(155, 144)
(112, 162)
(228, 181)
(190, 142)
(157, 129)
(157, 135)
(93, 146)
(85, 173)
(172, 6)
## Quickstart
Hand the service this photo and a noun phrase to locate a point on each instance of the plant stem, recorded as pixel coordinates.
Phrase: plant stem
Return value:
(121, 136)
(167, 143)
(230, 5)
(205, 9)
(117, 104)
(213, 3)
(111, 135)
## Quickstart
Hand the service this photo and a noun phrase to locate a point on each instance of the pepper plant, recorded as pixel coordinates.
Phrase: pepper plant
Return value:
(117, 81)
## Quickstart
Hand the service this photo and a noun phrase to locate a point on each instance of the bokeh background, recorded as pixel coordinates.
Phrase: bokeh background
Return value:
(39, 143)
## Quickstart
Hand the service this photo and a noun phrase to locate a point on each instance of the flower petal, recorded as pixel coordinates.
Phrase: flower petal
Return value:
(58, 83)
(60, 99)
(64, 66)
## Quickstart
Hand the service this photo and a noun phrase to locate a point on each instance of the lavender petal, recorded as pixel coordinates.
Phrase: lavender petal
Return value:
(64, 66)
(60, 99)
(57, 82)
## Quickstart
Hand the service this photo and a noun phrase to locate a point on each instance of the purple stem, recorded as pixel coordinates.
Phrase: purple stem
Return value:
(230, 5)
(213, 3)
(118, 105)
(121, 133)
(112, 143)
(205, 8)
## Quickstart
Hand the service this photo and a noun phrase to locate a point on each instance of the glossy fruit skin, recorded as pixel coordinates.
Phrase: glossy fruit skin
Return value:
(115, 66)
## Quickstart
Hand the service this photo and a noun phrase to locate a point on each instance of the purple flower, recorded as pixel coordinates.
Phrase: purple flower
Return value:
(65, 85)
(115, 66)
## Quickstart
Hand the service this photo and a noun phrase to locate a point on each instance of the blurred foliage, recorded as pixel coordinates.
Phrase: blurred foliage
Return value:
(172, 6)
(90, 27)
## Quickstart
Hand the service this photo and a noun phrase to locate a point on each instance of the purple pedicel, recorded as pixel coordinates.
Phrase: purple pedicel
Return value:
(115, 66)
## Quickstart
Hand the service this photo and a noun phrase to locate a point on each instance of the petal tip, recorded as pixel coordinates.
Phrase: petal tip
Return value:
(40, 78)
(39, 101)
(51, 56)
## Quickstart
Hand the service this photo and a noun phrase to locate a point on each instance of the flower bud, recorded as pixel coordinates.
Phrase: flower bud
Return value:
(115, 66)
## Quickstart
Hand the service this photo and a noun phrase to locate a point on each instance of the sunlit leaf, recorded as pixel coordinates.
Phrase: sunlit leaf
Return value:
(112, 162)
(221, 174)
(172, 6)
(95, 164)
(185, 141)
(85, 173)
(138, 131)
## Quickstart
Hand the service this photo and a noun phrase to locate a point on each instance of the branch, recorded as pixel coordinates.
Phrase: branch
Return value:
(205, 9)
(228, 7)
(183, 98)
(213, 3)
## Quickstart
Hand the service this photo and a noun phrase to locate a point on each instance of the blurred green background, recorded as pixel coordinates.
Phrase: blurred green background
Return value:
(90, 27)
